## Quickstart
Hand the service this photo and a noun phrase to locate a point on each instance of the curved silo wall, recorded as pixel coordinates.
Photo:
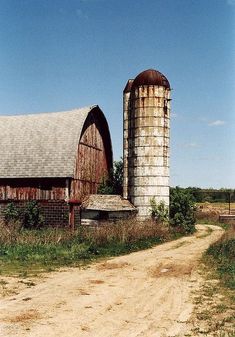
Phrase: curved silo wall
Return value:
(146, 141)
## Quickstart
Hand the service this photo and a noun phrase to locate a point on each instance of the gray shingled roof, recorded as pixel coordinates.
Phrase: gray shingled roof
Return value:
(104, 202)
(40, 145)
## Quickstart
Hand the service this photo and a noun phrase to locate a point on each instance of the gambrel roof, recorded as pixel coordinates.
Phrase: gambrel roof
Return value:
(41, 145)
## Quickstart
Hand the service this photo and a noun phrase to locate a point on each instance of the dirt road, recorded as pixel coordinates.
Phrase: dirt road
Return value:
(144, 294)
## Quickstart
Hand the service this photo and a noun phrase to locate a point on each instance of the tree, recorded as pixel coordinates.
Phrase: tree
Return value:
(182, 210)
(118, 177)
(113, 184)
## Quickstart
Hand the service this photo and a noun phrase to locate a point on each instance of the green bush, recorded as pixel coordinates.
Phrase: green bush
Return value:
(105, 187)
(160, 211)
(182, 210)
(31, 215)
(113, 184)
(11, 213)
(28, 217)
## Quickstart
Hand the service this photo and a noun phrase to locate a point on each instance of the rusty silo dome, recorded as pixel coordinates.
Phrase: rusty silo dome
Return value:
(150, 77)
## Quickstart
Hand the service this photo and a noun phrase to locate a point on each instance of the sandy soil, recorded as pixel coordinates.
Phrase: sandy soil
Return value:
(145, 294)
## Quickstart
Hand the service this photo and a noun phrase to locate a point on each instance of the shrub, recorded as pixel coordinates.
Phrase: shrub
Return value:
(11, 213)
(159, 212)
(105, 187)
(113, 184)
(182, 210)
(31, 215)
(28, 217)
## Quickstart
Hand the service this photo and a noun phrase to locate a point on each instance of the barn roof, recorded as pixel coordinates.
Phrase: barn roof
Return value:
(41, 145)
(109, 203)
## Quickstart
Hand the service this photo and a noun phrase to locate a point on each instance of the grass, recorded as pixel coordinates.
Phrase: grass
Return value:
(28, 252)
(206, 221)
(221, 255)
(216, 296)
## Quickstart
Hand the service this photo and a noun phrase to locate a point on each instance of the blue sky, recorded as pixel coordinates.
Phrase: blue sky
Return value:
(57, 55)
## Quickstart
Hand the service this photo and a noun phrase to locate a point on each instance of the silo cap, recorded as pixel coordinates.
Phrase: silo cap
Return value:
(150, 77)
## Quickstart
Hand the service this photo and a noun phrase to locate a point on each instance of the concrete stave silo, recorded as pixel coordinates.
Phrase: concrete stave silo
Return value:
(146, 119)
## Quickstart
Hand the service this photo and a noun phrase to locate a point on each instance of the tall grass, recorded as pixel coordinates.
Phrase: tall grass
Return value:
(45, 249)
(222, 255)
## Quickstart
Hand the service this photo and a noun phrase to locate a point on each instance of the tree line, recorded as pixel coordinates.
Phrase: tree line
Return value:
(114, 185)
(210, 194)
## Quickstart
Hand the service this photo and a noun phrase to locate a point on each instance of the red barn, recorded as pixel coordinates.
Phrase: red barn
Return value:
(56, 158)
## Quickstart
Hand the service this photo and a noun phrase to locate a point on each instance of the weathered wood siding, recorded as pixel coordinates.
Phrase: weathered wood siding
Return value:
(94, 157)
(28, 189)
(92, 163)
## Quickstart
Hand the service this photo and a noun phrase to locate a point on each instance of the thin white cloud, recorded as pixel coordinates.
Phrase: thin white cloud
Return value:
(193, 144)
(218, 122)
(190, 145)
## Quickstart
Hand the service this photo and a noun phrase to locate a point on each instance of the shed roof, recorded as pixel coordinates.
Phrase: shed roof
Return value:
(41, 145)
(109, 203)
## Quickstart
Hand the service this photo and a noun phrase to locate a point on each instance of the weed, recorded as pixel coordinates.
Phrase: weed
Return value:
(220, 308)
(28, 251)
(222, 256)
(159, 211)
(217, 296)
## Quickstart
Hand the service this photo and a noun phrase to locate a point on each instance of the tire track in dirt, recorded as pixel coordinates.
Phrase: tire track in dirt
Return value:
(145, 294)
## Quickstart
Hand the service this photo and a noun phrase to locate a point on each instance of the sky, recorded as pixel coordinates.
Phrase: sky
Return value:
(57, 55)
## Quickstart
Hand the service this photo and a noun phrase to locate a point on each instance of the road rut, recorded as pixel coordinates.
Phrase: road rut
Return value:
(147, 294)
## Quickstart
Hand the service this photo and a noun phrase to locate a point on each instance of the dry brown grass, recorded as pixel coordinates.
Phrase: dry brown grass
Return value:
(229, 234)
(34, 251)
(23, 317)
(207, 212)
(13, 233)
(128, 230)
(124, 231)
(212, 211)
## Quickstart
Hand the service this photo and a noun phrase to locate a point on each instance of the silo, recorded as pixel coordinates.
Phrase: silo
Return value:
(146, 116)
(126, 117)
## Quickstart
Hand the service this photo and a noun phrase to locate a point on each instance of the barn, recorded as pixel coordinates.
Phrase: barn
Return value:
(55, 158)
